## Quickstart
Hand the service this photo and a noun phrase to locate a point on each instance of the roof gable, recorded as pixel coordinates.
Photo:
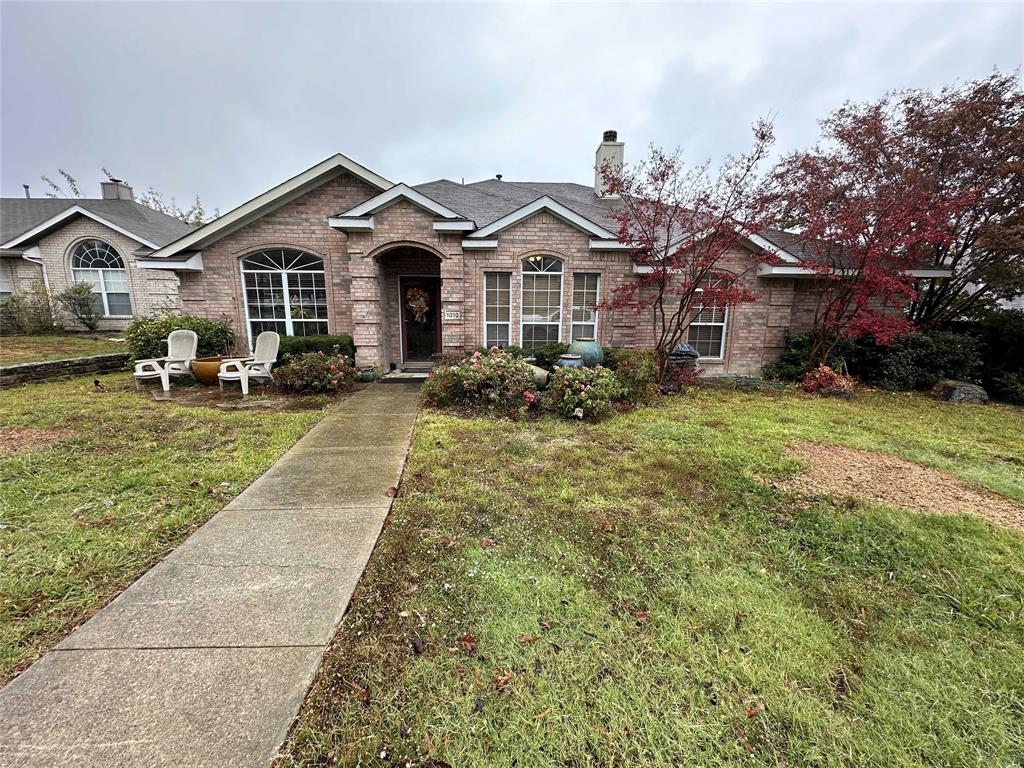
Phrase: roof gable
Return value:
(401, 192)
(554, 207)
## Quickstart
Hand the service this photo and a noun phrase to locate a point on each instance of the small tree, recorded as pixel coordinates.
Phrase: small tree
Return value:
(80, 302)
(684, 225)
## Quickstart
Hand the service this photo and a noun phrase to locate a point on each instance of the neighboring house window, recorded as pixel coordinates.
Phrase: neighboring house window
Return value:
(285, 292)
(497, 309)
(6, 283)
(542, 301)
(706, 333)
(96, 263)
(585, 286)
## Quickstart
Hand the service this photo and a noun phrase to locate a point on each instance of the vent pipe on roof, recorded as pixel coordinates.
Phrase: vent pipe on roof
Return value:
(610, 152)
(27, 193)
(116, 189)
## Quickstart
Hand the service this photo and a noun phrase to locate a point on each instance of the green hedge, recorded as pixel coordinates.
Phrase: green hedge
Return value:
(300, 345)
(147, 336)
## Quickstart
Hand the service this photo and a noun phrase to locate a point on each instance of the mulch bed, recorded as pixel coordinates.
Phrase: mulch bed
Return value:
(19, 439)
(880, 477)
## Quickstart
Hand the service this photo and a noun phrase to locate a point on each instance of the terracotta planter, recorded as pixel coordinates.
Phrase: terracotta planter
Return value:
(206, 369)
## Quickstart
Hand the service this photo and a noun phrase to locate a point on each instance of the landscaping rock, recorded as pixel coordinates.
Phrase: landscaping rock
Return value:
(959, 392)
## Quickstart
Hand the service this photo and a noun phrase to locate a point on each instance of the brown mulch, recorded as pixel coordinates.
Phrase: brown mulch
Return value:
(18, 439)
(884, 478)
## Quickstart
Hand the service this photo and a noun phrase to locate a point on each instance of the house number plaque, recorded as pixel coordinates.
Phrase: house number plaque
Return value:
(452, 314)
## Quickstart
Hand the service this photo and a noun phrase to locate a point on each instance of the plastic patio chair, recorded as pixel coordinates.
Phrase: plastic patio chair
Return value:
(181, 351)
(258, 366)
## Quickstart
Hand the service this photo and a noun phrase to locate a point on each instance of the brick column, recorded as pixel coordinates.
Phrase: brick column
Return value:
(366, 309)
(453, 294)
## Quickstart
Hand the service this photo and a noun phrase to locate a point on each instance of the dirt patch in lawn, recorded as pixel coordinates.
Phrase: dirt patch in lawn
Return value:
(18, 439)
(262, 397)
(883, 478)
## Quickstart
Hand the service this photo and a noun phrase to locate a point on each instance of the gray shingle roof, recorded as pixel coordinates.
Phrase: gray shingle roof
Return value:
(487, 201)
(20, 214)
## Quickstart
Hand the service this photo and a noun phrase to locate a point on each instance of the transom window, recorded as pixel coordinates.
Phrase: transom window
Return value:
(97, 264)
(497, 309)
(706, 333)
(585, 287)
(284, 292)
(542, 301)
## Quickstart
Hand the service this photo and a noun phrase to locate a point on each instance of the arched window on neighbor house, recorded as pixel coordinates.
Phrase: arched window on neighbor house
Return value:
(284, 292)
(542, 301)
(96, 263)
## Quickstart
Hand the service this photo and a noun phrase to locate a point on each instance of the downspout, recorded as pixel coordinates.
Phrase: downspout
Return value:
(32, 254)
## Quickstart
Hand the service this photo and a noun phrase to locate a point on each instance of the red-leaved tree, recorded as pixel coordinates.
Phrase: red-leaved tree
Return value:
(862, 231)
(685, 225)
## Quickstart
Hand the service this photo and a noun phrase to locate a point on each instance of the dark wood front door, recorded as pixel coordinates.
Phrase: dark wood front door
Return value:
(421, 317)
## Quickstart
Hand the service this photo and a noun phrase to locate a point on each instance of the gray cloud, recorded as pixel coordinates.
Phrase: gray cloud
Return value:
(227, 99)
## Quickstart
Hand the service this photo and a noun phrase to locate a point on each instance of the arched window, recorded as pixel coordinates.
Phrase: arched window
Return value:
(96, 263)
(284, 292)
(542, 301)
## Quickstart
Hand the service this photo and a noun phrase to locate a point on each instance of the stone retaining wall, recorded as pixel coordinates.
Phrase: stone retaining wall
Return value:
(31, 373)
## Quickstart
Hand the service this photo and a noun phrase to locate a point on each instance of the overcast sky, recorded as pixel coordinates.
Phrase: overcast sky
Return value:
(226, 100)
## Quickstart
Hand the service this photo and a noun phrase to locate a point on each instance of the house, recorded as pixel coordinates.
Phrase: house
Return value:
(101, 241)
(412, 271)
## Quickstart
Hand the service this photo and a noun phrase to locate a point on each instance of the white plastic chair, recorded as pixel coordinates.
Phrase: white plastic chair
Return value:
(256, 367)
(181, 351)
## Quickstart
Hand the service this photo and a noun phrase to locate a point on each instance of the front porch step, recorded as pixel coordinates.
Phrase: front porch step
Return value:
(405, 377)
(418, 367)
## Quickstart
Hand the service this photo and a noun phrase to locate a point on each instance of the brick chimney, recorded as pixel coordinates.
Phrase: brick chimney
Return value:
(116, 189)
(610, 151)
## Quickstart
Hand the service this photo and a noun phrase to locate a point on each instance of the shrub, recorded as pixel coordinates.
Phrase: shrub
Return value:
(317, 372)
(328, 344)
(793, 360)
(1000, 335)
(147, 336)
(80, 302)
(546, 355)
(498, 381)
(917, 360)
(636, 371)
(28, 311)
(512, 349)
(582, 393)
(826, 382)
(1009, 387)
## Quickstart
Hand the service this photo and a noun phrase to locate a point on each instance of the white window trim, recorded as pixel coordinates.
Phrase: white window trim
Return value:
(509, 322)
(522, 298)
(597, 300)
(725, 330)
(102, 287)
(287, 319)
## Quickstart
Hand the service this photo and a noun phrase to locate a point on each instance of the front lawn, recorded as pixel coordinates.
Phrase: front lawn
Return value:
(34, 349)
(640, 592)
(96, 485)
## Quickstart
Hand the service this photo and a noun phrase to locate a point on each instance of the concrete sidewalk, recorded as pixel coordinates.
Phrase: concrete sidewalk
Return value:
(205, 659)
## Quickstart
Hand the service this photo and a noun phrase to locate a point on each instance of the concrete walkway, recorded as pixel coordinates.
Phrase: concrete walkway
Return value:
(204, 660)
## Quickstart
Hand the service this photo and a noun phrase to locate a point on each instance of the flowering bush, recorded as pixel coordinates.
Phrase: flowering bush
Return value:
(583, 393)
(637, 373)
(496, 380)
(826, 382)
(317, 372)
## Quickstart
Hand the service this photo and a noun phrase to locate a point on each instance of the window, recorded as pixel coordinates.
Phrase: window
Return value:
(584, 298)
(285, 292)
(95, 263)
(497, 309)
(6, 283)
(706, 333)
(542, 301)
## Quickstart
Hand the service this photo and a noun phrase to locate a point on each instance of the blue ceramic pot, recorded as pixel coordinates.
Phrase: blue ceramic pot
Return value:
(589, 350)
(569, 361)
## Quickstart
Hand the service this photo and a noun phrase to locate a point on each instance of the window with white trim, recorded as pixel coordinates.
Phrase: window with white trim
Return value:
(284, 292)
(542, 301)
(497, 309)
(706, 333)
(585, 291)
(6, 280)
(97, 264)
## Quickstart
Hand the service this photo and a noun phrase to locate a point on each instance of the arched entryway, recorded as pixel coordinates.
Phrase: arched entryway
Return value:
(410, 305)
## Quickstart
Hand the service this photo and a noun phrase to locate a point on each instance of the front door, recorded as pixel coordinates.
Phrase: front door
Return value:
(421, 317)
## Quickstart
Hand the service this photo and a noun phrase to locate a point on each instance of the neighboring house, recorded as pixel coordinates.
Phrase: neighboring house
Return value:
(100, 241)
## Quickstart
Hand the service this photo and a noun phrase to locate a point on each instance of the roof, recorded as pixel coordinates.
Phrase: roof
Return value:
(20, 216)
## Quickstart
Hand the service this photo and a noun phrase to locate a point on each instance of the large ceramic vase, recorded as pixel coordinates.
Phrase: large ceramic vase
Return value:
(206, 369)
(569, 360)
(589, 350)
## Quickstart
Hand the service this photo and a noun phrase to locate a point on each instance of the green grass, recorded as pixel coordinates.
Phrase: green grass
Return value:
(83, 518)
(32, 349)
(686, 613)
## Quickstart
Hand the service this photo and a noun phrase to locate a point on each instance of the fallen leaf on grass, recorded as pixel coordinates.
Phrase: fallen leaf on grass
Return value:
(417, 645)
(543, 714)
(755, 709)
(391, 492)
(362, 693)
(546, 624)
(468, 642)
(487, 541)
(527, 638)
(503, 680)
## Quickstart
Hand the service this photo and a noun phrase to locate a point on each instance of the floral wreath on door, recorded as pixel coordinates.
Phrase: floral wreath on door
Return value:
(418, 300)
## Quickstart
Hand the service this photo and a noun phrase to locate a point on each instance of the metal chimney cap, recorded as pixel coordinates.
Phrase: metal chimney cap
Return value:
(497, 176)
(610, 136)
